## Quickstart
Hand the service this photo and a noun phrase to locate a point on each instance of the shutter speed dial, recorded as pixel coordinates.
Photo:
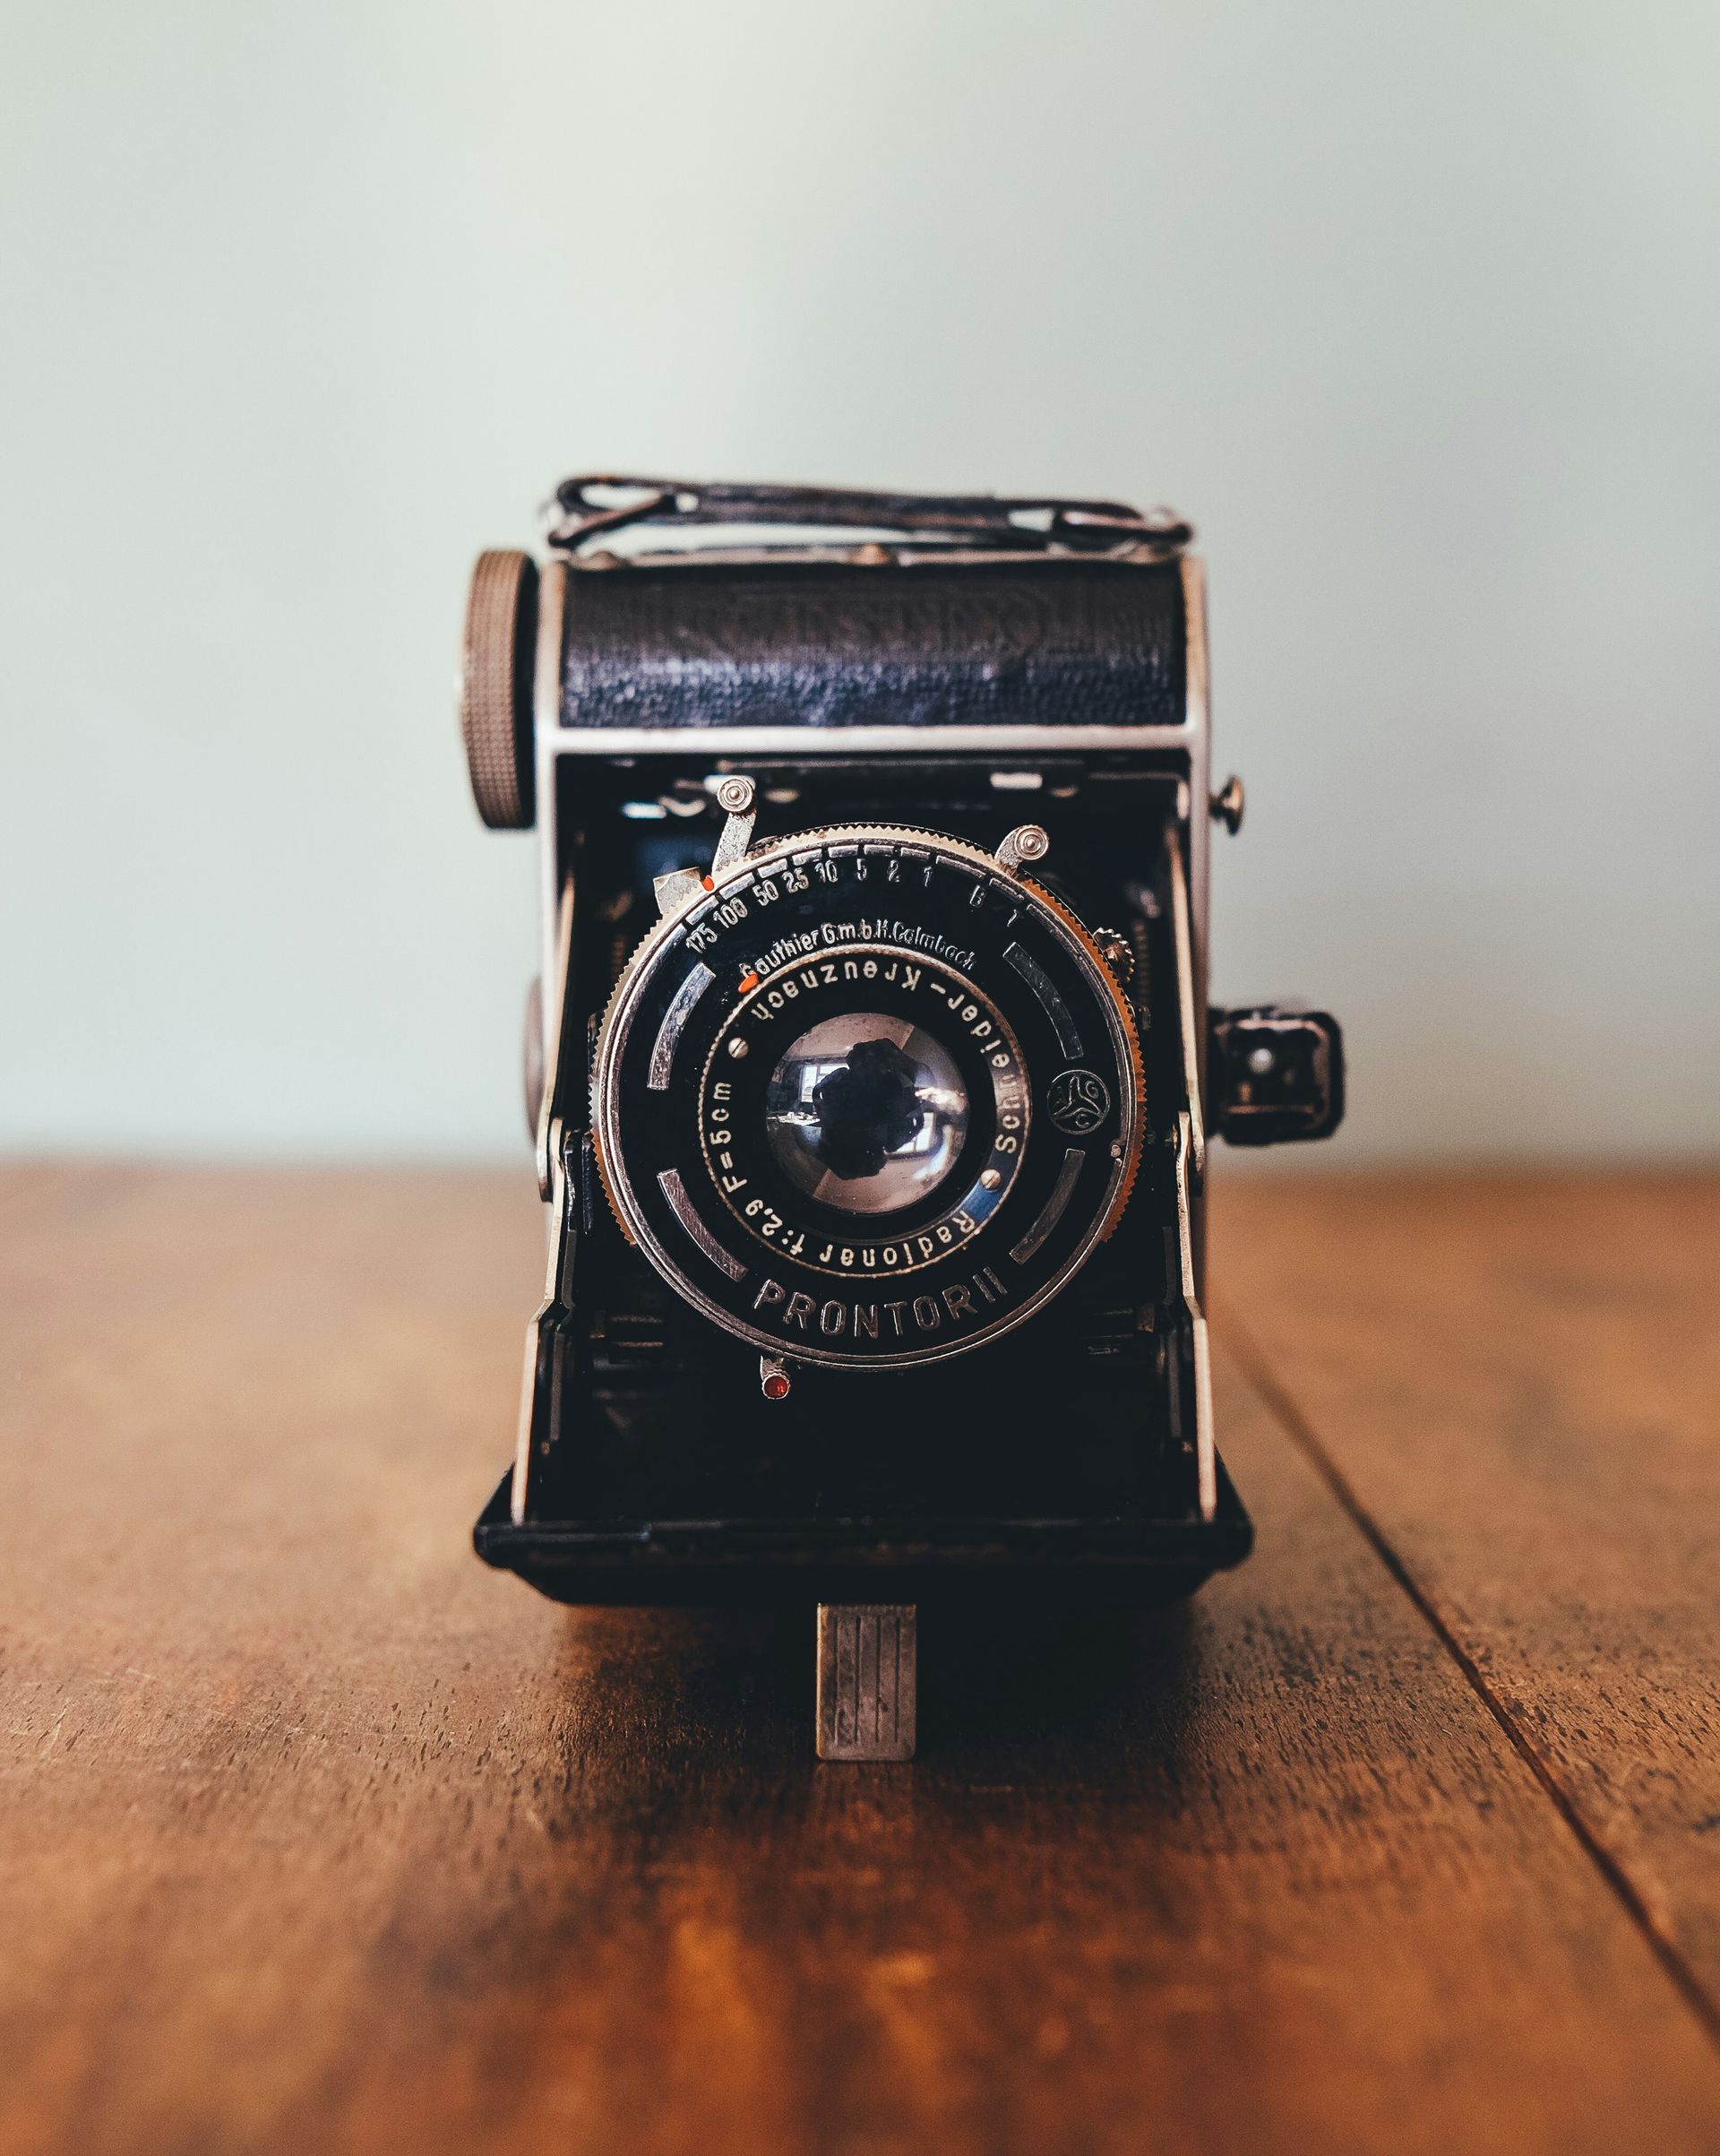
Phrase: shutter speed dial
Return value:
(869, 1101)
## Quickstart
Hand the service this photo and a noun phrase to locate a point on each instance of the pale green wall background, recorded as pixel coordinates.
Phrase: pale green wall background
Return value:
(1414, 308)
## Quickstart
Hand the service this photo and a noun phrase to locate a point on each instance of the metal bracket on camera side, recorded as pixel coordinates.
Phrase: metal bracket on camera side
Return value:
(1187, 1023)
(1188, 1158)
(545, 1144)
(550, 1335)
(1206, 1451)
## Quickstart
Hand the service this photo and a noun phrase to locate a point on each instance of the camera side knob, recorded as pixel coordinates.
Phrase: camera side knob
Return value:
(1227, 806)
(495, 685)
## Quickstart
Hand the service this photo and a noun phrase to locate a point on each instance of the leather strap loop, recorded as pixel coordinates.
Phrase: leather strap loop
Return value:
(1027, 524)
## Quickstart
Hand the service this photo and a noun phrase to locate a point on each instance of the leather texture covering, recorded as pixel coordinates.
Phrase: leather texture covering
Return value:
(1068, 642)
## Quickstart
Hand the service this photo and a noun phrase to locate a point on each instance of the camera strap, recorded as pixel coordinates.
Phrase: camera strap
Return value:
(594, 505)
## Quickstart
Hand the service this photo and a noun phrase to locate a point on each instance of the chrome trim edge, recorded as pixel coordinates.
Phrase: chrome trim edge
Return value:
(852, 740)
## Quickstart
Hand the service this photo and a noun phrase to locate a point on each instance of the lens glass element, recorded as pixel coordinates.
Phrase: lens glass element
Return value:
(866, 1113)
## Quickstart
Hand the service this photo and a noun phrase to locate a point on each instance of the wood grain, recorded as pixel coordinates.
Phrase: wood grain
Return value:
(321, 1837)
(1518, 1381)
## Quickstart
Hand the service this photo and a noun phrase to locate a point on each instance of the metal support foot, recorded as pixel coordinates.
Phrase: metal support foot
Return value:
(867, 1655)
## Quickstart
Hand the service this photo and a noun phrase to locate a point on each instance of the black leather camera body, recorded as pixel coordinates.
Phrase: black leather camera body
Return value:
(872, 1073)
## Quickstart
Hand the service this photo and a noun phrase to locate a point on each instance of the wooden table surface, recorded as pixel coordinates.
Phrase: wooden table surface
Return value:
(318, 1836)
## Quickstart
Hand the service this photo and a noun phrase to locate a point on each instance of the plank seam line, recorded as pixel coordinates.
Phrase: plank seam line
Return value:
(1301, 1434)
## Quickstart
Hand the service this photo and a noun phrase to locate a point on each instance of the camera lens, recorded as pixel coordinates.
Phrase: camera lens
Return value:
(824, 1073)
(866, 1113)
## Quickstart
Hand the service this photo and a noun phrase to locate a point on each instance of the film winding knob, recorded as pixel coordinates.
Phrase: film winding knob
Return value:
(496, 683)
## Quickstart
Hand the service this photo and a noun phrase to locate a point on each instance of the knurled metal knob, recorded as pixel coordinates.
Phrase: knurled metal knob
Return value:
(1117, 951)
(495, 688)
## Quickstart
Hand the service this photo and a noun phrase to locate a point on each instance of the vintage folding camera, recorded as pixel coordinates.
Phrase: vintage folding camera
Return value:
(873, 1074)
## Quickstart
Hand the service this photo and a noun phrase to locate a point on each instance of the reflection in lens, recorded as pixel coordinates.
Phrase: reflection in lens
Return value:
(866, 1113)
